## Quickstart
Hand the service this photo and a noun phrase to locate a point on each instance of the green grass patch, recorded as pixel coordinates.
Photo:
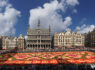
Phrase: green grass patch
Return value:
(0, 56)
(83, 57)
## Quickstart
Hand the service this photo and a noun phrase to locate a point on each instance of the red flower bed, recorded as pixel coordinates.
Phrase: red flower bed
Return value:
(48, 58)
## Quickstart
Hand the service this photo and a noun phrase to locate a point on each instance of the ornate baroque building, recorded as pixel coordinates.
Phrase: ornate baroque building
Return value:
(90, 39)
(38, 38)
(9, 42)
(21, 42)
(0, 43)
(69, 39)
(12, 42)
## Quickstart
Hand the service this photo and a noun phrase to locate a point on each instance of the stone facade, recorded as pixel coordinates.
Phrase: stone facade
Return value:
(12, 42)
(38, 38)
(4, 44)
(90, 39)
(9, 42)
(21, 42)
(0, 43)
(68, 39)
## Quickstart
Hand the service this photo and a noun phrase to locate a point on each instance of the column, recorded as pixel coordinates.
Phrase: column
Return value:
(40, 41)
(32, 46)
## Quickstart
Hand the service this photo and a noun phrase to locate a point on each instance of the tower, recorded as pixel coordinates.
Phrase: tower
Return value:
(38, 24)
(39, 38)
(49, 28)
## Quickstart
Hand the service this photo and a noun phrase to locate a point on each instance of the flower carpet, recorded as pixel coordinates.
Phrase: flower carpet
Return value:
(76, 57)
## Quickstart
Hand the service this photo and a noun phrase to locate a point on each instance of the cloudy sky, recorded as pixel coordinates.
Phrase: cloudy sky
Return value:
(17, 15)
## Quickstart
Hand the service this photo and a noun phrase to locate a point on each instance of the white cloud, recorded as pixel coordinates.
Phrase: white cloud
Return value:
(49, 14)
(3, 3)
(72, 2)
(75, 11)
(67, 22)
(8, 18)
(25, 37)
(83, 21)
(85, 28)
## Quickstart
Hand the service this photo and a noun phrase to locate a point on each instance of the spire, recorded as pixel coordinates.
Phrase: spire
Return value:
(39, 24)
(49, 28)
(68, 30)
(28, 27)
(78, 31)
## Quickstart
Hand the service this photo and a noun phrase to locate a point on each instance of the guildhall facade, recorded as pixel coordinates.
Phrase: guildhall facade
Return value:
(68, 39)
(12, 42)
(90, 39)
(38, 38)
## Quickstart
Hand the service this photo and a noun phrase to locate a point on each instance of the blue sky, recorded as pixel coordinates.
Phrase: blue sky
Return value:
(74, 15)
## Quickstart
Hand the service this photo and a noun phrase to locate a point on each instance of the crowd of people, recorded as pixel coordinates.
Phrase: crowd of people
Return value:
(47, 50)
(48, 67)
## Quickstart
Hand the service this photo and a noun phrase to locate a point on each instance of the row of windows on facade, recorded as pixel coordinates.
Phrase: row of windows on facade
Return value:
(37, 45)
(69, 40)
(39, 36)
(39, 40)
(68, 43)
(61, 44)
(75, 39)
(39, 33)
(60, 37)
